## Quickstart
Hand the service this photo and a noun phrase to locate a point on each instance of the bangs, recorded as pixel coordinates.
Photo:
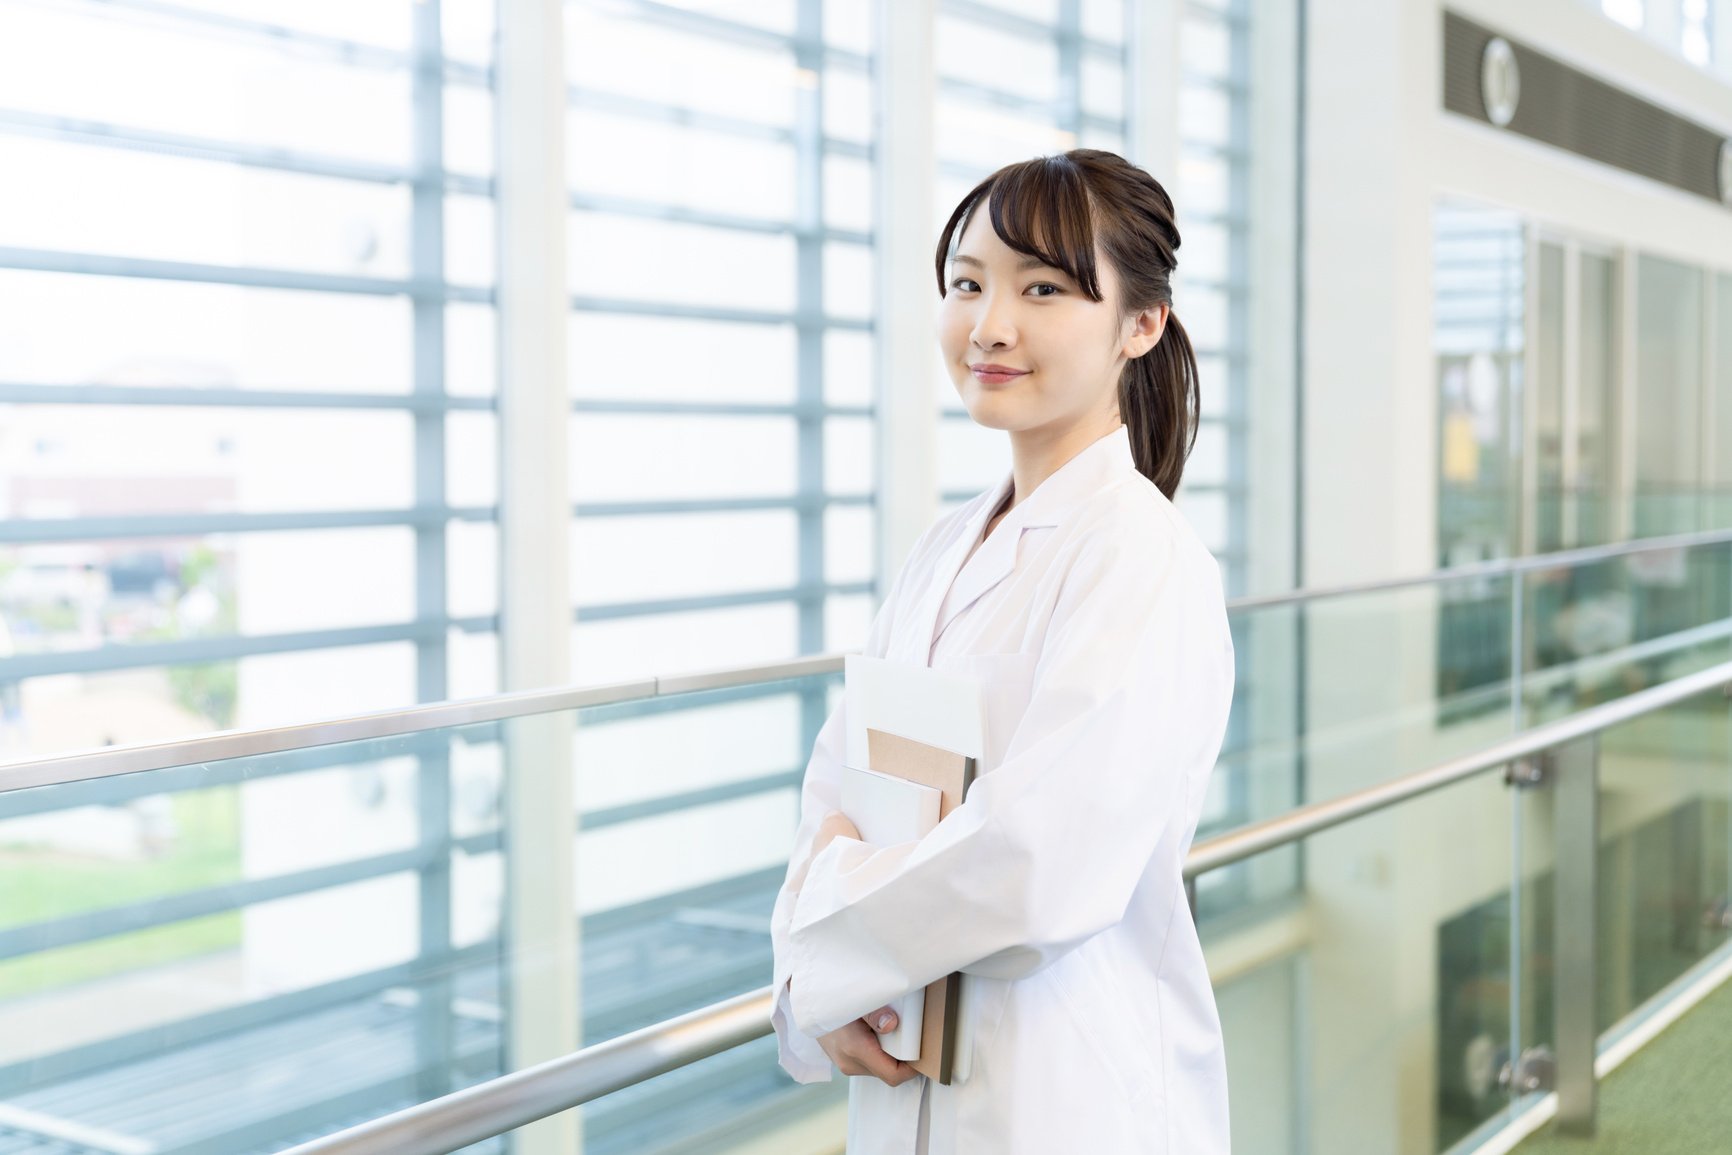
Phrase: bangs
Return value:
(1039, 208)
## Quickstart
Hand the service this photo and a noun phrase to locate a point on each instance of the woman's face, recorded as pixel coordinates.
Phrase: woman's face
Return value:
(1006, 309)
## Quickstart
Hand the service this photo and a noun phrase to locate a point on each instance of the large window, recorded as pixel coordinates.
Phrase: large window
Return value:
(1697, 30)
(721, 270)
(1015, 80)
(246, 377)
(1212, 291)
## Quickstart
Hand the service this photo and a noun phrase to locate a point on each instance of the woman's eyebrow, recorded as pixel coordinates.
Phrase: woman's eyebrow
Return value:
(1021, 266)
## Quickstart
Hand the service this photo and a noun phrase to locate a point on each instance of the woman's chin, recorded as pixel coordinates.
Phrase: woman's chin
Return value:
(992, 414)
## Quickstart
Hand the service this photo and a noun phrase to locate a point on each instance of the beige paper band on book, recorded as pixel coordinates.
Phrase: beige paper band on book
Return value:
(951, 774)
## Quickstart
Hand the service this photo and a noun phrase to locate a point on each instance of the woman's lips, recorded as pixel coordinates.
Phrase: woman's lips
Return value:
(992, 377)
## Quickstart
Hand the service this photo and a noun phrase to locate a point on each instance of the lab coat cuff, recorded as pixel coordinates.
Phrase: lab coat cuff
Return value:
(826, 993)
(810, 901)
(798, 1053)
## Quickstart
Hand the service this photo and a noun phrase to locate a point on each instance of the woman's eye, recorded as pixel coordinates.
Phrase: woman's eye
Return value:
(958, 282)
(1046, 285)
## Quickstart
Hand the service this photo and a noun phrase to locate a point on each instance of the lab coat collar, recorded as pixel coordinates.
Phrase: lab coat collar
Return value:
(1096, 466)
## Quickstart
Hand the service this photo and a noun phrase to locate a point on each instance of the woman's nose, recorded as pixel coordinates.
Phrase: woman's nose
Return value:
(992, 329)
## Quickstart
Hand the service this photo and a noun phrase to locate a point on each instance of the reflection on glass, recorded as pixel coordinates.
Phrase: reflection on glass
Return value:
(1669, 390)
(1395, 945)
(176, 929)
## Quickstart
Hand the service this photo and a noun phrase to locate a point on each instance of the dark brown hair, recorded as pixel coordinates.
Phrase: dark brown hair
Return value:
(1054, 208)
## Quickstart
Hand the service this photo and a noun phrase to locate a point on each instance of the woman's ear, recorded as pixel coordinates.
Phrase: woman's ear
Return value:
(1146, 330)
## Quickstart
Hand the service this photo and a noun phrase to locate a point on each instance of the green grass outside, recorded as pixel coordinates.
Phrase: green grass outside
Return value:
(39, 885)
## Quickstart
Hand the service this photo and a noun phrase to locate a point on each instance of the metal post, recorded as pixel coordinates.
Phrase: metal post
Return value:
(1518, 817)
(809, 337)
(1576, 825)
(433, 1025)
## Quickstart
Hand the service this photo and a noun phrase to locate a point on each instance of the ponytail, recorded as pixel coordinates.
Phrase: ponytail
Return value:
(1159, 400)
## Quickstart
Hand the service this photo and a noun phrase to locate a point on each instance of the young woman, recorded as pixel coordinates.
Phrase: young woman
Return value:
(1094, 618)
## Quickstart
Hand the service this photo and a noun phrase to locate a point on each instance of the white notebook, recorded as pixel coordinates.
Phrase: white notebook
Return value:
(939, 708)
(888, 810)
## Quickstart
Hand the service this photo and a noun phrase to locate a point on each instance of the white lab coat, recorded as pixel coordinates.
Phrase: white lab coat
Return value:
(1096, 620)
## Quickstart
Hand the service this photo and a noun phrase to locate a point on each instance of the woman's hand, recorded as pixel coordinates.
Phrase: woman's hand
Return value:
(855, 1048)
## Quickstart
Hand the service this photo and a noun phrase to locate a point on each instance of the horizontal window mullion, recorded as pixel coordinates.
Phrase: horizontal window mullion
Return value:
(712, 408)
(652, 110)
(219, 25)
(192, 396)
(984, 96)
(625, 206)
(1233, 221)
(731, 31)
(1215, 149)
(1212, 13)
(712, 313)
(1229, 488)
(218, 649)
(1236, 89)
(852, 149)
(108, 135)
(477, 624)
(687, 800)
(99, 265)
(103, 134)
(616, 610)
(95, 925)
(147, 1042)
(24, 531)
(1226, 288)
(805, 502)
(313, 45)
(704, 894)
(997, 98)
(999, 19)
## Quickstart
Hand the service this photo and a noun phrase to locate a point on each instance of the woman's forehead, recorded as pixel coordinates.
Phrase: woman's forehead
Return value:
(984, 245)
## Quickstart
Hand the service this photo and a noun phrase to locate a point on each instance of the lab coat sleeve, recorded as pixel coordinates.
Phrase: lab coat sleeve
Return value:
(820, 795)
(1106, 770)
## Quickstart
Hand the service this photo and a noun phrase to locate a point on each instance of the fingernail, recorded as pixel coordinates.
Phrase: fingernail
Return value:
(884, 1021)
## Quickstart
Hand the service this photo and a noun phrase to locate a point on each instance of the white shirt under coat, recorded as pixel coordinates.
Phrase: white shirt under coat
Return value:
(1095, 619)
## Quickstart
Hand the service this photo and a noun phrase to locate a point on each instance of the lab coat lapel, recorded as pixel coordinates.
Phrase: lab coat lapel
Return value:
(924, 620)
(991, 563)
(1103, 462)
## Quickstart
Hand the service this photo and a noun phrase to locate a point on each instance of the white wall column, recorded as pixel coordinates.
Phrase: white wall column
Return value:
(1152, 71)
(540, 932)
(906, 87)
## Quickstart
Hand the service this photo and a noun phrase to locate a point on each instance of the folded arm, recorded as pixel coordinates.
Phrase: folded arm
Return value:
(1104, 772)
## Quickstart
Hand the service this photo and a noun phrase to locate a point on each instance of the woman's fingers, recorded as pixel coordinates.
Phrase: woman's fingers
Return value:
(892, 1071)
(857, 1051)
(883, 1019)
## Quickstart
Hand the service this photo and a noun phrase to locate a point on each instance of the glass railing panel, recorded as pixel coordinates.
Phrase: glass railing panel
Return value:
(1260, 770)
(1369, 1013)
(315, 937)
(1399, 679)
(677, 897)
(738, 1102)
(1665, 831)
(261, 934)
(1600, 630)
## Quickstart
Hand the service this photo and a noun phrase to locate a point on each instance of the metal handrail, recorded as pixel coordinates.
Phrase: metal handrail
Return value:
(500, 1105)
(226, 744)
(1496, 567)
